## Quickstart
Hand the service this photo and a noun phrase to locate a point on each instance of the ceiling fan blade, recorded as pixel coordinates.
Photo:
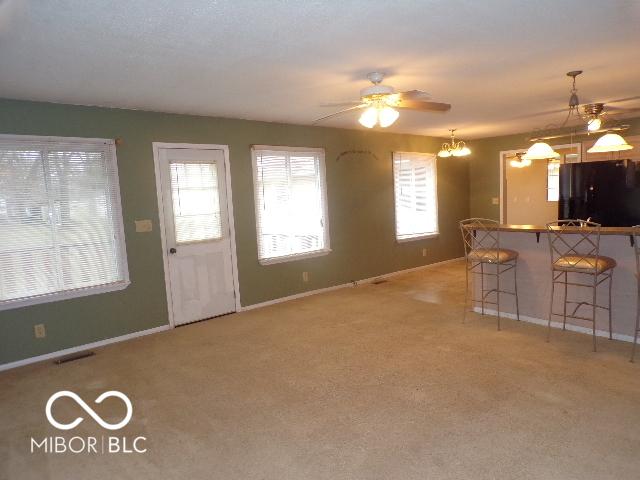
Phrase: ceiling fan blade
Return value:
(542, 114)
(425, 106)
(413, 95)
(621, 100)
(619, 111)
(341, 104)
(340, 112)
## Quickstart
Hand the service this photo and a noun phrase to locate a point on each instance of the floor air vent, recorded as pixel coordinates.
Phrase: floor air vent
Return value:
(73, 357)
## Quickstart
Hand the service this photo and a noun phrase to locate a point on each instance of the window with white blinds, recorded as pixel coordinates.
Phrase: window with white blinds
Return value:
(416, 197)
(291, 209)
(60, 220)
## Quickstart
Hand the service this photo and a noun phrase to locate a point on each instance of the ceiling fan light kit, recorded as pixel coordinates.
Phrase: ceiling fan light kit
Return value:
(594, 124)
(453, 148)
(369, 117)
(384, 116)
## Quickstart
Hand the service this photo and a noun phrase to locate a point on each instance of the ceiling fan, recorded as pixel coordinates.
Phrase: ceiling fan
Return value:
(592, 114)
(380, 102)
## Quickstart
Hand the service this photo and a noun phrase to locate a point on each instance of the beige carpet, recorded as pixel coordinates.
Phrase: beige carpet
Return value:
(372, 382)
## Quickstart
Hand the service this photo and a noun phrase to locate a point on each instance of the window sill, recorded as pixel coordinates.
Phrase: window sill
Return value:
(65, 295)
(418, 237)
(292, 258)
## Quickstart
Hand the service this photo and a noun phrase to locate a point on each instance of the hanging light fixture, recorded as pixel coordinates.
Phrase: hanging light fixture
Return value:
(453, 148)
(540, 151)
(520, 162)
(610, 142)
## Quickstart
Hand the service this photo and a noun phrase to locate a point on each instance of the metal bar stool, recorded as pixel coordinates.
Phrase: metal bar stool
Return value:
(574, 246)
(484, 257)
(636, 243)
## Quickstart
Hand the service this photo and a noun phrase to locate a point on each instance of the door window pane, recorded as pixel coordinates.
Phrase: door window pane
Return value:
(553, 180)
(196, 202)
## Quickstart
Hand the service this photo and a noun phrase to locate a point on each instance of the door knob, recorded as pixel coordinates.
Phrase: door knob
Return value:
(172, 250)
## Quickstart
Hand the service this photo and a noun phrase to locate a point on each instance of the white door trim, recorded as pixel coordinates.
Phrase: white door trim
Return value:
(232, 231)
(502, 160)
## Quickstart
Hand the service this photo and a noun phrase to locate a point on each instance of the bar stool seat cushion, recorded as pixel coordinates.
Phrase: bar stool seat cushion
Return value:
(492, 255)
(584, 263)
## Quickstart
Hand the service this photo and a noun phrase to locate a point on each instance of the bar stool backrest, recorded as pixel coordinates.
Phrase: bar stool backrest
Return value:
(480, 234)
(579, 239)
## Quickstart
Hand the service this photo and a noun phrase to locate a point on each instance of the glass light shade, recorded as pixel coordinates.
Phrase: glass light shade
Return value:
(444, 153)
(369, 117)
(520, 162)
(594, 124)
(386, 116)
(540, 151)
(610, 142)
(461, 152)
(523, 162)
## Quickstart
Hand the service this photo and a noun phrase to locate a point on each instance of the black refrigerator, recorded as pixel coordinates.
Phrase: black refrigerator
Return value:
(608, 192)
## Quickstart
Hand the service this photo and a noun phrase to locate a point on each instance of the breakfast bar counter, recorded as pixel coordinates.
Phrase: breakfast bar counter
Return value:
(534, 279)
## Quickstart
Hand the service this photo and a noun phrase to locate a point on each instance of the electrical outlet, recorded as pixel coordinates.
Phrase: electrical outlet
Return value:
(305, 276)
(39, 331)
(424, 252)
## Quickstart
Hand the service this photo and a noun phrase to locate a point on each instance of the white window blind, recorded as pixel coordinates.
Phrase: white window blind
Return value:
(415, 195)
(290, 197)
(196, 203)
(60, 220)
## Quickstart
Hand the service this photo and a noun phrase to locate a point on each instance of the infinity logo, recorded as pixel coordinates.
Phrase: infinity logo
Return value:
(89, 410)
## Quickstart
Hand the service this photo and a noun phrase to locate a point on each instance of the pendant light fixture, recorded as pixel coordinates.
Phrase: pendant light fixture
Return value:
(520, 162)
(610, 142)
(540, 151)
(453, 148)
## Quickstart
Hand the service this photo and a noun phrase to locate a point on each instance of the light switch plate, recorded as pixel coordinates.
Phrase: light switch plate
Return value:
(143, 226)
(495, 200)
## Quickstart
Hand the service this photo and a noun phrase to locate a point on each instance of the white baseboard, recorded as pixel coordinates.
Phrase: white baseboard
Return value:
(539, 321)
(80, 348)
(345, 285)
(122, 338)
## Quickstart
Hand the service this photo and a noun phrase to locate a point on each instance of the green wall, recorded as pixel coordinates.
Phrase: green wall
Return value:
(360, 196)
(484, 167)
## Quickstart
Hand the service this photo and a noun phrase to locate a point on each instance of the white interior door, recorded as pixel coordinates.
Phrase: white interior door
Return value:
(197, 233)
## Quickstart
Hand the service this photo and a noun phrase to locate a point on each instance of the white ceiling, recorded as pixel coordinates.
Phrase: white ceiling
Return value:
(279, 60)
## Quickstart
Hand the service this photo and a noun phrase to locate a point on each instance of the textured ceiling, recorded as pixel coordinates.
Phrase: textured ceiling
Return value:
(495, 61)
